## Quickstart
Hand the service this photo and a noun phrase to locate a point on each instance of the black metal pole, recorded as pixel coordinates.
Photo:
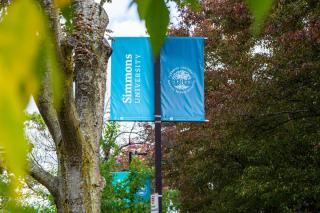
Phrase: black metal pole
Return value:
(157, 131)
(130, 157)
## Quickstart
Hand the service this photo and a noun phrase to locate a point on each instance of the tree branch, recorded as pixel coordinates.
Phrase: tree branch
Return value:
(129, 144)
(54, 22)
(131, 132)
(63, 123)
(47, 110)
(70, 124)
(43, 177)
(122, 133)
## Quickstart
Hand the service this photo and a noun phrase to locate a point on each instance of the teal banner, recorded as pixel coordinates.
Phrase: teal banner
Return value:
(143, 194)
(182, 79)
(132, 84)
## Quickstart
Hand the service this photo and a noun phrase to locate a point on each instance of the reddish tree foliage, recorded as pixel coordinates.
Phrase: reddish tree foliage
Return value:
(259, 152)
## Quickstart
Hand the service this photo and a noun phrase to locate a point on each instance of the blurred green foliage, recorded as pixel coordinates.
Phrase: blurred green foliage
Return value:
(21, 34)
(9, 204)
(171, 200)
(156, 15)
(26, 49)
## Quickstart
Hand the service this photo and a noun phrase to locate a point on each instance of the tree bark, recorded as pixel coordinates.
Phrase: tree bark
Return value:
(76, 126)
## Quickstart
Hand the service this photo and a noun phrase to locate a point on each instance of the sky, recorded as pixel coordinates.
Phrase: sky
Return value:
(123, 21)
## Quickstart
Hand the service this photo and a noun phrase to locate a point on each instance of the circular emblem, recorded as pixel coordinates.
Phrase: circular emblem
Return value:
(181, 79)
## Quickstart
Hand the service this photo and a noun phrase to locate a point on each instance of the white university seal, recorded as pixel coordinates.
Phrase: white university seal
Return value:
(181, 79)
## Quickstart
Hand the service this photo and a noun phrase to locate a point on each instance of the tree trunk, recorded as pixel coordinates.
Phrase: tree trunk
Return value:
(76, 126)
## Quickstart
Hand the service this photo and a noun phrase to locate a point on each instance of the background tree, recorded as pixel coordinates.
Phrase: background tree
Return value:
(260, 150)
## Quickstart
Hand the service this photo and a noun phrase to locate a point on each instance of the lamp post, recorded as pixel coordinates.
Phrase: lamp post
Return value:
(157, 122)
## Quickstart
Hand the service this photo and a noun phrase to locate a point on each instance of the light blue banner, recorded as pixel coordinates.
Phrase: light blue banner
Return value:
(132, 80)
(182, 79)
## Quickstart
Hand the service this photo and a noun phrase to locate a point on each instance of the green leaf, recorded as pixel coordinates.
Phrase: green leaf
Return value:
(61, 3)
(260, 10)
(26, 51)
(21, 32)
(143, 7)
(156, 15)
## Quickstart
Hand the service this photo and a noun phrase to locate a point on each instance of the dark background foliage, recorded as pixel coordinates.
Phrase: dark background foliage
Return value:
(260, 151)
